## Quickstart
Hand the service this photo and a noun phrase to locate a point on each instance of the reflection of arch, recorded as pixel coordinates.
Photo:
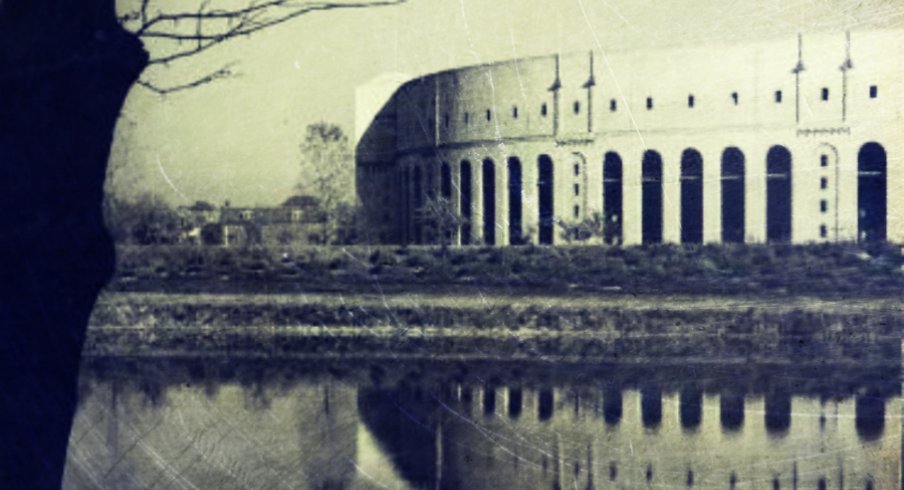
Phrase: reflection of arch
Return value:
(651, 168)
(489, 202)
(691, 406)
(545, 199)
(465, 201)
(515, 402)
(545, 404)
(869, 413)
(612, 404)
(691, 196)
(514, 200)
(612, 198)
(651, 406)
(778, 194)
(778, 412)
(733, 207)
(871, 193)
(731, 410)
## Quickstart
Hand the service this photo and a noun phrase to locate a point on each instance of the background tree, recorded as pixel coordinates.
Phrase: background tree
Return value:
(65, 70)
(589, 228)
(442, 220)
(142, 220)
(328, 173)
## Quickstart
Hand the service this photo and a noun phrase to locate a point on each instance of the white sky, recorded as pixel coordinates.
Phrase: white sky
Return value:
(238, 138)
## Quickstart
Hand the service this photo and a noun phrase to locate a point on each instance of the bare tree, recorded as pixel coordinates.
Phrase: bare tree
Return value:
(181, 32)
(65, 70)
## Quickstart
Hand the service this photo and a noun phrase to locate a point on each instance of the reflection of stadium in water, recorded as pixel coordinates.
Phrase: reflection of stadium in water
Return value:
(491, 425)
(578, 437)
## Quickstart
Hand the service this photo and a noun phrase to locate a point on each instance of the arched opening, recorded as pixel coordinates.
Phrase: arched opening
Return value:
(545, 199)
(869, 415)
(489, 202)
(778, 195)
(733, 196)
(514, 201)
(465, 202)
(418, 205)
(406, 204)
(651, 231)
(612, 198)
(445, 192)
(428, 218)
(691, 196)
(445, 183)
(871, 193)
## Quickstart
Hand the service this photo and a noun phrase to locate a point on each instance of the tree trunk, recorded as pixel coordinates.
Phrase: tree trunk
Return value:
(65, 70)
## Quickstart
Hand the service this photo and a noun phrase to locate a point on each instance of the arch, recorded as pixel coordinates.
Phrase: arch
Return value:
(869, 415)
(733, 197)
(489, 399)
(778, 195)
(651, 167)
(691, 196)
(445, 192)
(405, 178)
(514, 200)
(489, 202)
(465, 201)
(430, 182)
(445, 181)
(871, 193)
(545, 197)
(418, 204)
(612, 198)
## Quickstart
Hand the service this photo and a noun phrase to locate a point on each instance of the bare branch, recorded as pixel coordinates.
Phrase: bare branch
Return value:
(224, 72)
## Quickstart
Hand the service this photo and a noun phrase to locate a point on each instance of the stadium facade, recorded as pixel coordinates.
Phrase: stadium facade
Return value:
(794, 140)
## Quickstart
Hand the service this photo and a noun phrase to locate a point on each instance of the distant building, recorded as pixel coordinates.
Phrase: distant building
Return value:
(297, 221)
(795, 140)
(193, 219)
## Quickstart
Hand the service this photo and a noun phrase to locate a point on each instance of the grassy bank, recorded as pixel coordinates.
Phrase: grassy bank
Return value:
(825, 269)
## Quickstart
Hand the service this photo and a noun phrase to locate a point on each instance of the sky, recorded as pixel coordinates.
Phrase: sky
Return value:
(238, 138)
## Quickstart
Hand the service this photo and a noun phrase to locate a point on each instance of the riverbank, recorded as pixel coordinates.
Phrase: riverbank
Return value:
(823, 270)
(578, 327)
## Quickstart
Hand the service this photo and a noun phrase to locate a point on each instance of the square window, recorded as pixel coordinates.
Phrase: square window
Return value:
(577, 107)
(825, 93)
(577, 211)
(467, 118)
(649, 103)
(514, 112)
(543, 110)
(778, 96)
(734, 98)
(823, 160)
(489, 114)
(823, 231)
(873, 91)
(823, 183)
(446, 121)
(577, 189)
(613, 105)
(577, 169)
(824, 206)
(690, 101)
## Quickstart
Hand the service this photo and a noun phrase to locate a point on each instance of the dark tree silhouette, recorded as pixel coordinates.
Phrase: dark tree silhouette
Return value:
(65, 69)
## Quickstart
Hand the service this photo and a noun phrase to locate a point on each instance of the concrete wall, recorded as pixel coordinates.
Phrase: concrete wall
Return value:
(577, 107)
